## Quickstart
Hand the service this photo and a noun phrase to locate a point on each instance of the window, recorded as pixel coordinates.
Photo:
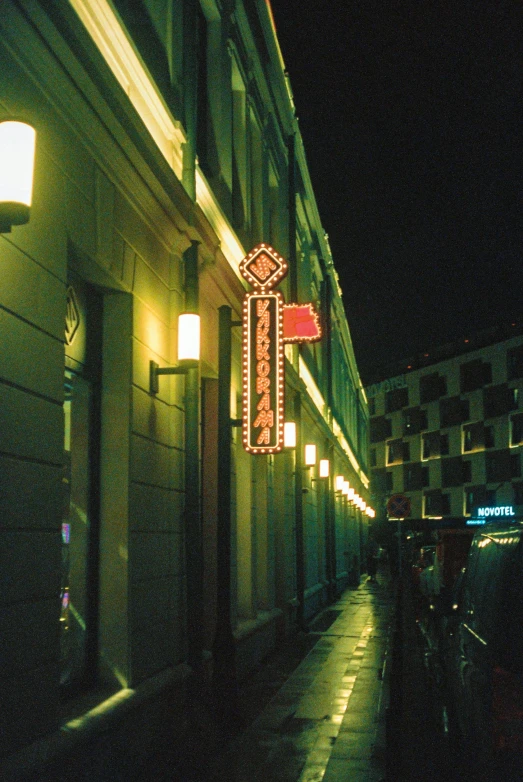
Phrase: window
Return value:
(454, 472)
(475, 496)
(490, 440)
(373, 458)
(372, 406)
(415, 477)
(396, 399)
(432, 387)
(453, 411)
(473, 437)
(414, 420)
(516, 429)
(474, 374)
(515, 362)
(380, 429)
(431, 445)
(397, 452)
(382, 481)
(80, 515)
(499, 400)
(436, 503)
(502, 466)
(517, 488)
(239, 148)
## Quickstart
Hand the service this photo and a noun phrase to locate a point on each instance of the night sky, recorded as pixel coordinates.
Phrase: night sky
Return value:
(411, 115)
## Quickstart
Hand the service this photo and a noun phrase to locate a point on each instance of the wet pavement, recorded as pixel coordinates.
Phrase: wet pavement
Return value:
(316, 710)
(328, 720)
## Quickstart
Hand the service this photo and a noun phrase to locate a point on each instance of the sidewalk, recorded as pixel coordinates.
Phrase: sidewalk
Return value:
(327, 720)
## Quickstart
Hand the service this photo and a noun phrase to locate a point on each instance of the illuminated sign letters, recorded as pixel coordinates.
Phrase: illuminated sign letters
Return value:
(267, 324)
(497, 510)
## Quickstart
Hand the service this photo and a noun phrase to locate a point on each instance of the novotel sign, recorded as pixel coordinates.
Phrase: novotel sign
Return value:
(268, 323)
(493, 511)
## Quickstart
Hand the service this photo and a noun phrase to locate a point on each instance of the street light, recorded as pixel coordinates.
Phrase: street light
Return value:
(310, 455)
(17, 154)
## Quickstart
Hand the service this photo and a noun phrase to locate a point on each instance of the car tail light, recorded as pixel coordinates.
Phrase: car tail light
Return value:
(507, 710)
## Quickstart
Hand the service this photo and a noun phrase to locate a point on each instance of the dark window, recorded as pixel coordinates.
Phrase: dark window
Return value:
(372, 406)
(475, 496)
(380, 429)
(373, 459)
(452, 471)
(515, 362)
(517, 488)
(431, 387)
(430, 445)
(389, 482)
(396, 399)
(502, 466)
(466, 472)
(381, 481)
(436, 503)
(397, 452)
(499, 400)
(490, 440)
(414, 420)
(516, 429)
(444, 445)
(473, 437)
(475, 374)
(415, 477)
(453, 411)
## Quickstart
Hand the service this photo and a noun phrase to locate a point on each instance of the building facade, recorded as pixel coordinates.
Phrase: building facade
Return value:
(446, 429)
(167, 147)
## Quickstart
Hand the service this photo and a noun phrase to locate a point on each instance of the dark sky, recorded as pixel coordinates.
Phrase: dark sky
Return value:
(411, 115)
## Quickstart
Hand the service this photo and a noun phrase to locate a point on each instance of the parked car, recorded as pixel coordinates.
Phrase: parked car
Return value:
(482, 655)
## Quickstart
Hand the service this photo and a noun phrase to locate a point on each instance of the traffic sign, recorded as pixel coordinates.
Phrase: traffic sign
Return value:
(398, 506)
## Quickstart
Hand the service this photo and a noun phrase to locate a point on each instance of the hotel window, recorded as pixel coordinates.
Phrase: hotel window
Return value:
(516, 429)
(502, 466)
(453, 411)
(515, 363)
(432, 444)
(397, 452)
(444, 445)
(436, 503)
(489, 435)
(373, 458)
(499, 400)
(475, 496)
(415, 477)
(414, 420)
(454, 472)
(473, 437)
(517, 488)
(396, 399)
(372, 406)
(432, 387)
(380, 429)
(474, 374)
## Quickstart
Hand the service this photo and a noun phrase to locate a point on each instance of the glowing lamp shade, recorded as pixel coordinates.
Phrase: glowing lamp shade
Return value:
(17, 153)
(346, 488)
(338, 482)
(324, 468)
(363, 505)
(310, 455)
(188, 337)
(289, 434)
(350, 495)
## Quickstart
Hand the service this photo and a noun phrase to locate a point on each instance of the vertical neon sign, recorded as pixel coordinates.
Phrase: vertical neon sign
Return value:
(263, 352)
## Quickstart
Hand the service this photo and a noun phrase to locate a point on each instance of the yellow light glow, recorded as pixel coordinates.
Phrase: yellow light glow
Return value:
(310, 455)
(17, 154)
(346, 488)
(289, 434)
(324, 468)
(339, 480)
(188, 337)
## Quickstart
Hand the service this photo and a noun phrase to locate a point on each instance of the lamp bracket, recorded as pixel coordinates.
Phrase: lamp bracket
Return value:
(236, 421)
(155, 371)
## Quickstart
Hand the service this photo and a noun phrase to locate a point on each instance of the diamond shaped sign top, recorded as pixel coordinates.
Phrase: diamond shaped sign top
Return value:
(263, 267)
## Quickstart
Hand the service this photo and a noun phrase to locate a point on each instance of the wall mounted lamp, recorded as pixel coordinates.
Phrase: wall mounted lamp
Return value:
(17, 155)
(338, 483)
(350, 495)
(188, 350)
(346, 488)
(289, 434)
(310, 455)
(324, 468)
